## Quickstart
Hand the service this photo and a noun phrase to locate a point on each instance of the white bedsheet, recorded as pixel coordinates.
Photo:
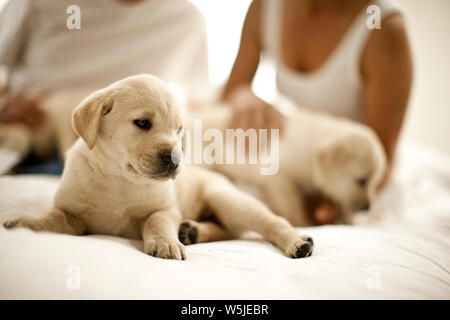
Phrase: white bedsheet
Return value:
(402, 252)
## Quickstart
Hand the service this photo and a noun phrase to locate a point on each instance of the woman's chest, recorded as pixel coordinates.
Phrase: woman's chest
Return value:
(309, 40)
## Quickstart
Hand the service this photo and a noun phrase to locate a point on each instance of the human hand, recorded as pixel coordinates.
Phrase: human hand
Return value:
(253, 112)
(321, 210)
(18, 109)
(326, 213)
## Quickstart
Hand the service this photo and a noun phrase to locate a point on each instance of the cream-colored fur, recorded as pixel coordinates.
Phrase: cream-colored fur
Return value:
(317, 154)
(117, 182)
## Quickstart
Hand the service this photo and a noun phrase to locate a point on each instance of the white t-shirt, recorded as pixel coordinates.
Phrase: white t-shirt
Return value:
(166, 38)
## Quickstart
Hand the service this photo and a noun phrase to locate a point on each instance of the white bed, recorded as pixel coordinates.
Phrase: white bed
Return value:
(405, 254)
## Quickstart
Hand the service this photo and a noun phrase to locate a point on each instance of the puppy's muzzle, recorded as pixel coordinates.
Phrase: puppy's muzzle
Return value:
(169, 160)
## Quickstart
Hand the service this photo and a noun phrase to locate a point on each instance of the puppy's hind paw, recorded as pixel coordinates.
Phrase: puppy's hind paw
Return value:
(300, 248)
(188, 233)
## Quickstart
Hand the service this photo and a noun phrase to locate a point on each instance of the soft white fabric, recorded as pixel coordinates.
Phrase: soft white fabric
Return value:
(406, 254)
(336, 86)
(166, 38)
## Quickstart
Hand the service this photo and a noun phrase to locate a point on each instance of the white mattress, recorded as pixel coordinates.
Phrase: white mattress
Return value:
(401, 252)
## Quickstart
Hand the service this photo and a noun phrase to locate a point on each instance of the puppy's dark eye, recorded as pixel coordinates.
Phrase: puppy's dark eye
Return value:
(143, 124)
(362, 182)
(179, 130)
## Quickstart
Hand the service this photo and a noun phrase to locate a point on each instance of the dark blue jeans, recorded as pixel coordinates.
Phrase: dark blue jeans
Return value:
(32, 165)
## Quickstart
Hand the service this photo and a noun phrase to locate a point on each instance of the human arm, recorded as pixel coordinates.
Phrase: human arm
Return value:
(249, 110)
(387, 71)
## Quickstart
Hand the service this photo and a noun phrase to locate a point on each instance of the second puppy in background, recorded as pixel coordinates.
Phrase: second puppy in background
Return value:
(318, 154)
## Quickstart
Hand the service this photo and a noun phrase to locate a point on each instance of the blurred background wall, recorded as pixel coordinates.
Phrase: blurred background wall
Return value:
(429, 26)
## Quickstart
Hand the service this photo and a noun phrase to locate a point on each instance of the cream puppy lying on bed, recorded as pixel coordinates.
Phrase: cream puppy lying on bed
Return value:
(123, 178)
(318, 154)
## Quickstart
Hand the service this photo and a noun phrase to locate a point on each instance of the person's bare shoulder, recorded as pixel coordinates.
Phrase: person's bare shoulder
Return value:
(387, 46)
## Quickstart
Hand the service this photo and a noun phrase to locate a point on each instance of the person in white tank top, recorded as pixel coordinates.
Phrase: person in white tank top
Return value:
(327, 59)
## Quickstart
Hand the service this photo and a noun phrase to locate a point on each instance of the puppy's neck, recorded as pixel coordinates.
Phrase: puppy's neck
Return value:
(102, 163)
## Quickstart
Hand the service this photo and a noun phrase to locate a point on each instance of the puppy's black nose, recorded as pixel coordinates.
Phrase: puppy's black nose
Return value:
(170, 160)
(366, 207)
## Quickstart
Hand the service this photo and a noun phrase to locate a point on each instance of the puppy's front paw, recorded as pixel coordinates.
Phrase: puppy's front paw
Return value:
(166, 249)
(188, 233)
(15, 223)
(300, 248)
(32, 224)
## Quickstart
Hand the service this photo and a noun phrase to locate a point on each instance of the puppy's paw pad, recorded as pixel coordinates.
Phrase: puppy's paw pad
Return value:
(304, 250)
(188, 233)
(301, 248)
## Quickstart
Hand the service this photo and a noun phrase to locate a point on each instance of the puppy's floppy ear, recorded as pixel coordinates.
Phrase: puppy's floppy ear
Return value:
(331, 154)
(88, 115)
